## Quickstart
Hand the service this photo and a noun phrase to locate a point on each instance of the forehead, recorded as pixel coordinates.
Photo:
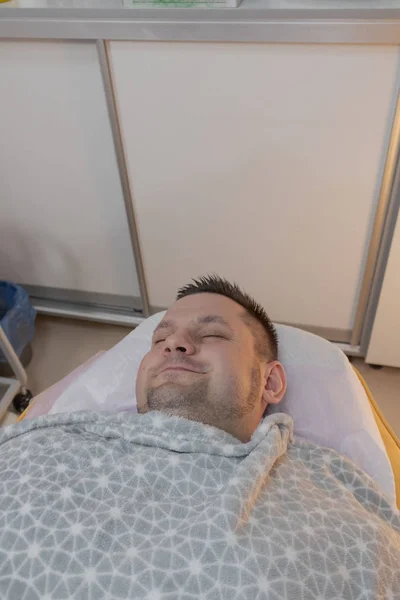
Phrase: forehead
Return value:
(195, 306)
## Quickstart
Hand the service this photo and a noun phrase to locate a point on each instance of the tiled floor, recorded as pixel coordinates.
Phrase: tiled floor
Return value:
(60, 345)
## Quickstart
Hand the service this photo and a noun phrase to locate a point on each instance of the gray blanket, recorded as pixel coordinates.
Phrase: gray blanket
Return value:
(96, 506)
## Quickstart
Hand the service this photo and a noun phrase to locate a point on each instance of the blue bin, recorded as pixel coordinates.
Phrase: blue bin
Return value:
(17, 317)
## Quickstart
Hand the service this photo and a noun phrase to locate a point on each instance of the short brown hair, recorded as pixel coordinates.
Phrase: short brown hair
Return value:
(267, 344)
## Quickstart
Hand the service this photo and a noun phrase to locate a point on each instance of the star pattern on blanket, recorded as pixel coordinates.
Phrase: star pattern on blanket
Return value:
(159, 508)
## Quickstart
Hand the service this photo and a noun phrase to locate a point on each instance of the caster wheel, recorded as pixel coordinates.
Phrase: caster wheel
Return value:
(21, 401)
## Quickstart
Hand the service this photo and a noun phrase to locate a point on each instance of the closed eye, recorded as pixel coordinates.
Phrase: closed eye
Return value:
(214, 335)
(155, 342)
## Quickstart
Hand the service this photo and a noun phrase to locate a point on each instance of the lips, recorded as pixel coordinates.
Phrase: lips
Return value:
(179, 368)
(182, 365)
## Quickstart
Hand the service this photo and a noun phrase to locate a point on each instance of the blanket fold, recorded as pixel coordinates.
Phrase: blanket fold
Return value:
(105, 506)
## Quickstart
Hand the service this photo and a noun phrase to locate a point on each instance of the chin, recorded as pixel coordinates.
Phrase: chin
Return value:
(166, 395)
(177, 396)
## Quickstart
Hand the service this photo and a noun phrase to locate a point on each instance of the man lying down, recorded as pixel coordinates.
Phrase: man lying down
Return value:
(198, 496)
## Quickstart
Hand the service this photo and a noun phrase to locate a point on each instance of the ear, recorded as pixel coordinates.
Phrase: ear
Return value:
(275, 383)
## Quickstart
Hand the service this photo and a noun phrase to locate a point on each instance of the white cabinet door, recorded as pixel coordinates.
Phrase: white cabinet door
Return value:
(259, 162)
(384, 346)
(62, 215)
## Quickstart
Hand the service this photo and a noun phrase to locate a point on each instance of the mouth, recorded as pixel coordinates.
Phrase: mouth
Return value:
(179, 368)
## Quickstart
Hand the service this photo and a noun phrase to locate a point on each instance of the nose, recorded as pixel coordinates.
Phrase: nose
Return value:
(179, 343)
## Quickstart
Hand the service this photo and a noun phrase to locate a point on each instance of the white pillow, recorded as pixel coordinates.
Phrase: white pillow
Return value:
(324, 396)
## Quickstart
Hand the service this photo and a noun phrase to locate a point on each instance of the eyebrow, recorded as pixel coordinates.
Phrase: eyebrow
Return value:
(212, 319)
(168, 323)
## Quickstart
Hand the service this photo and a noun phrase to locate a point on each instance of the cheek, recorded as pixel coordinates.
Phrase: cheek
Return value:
(224, 361)
(231, 361)
(149, 359)
(142, 375)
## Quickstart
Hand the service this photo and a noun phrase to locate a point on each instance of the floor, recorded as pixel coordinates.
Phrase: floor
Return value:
(385, 387)
(61, 345)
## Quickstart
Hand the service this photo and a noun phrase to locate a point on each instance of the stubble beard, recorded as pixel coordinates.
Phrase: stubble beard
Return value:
(188, 401)
(196, 402)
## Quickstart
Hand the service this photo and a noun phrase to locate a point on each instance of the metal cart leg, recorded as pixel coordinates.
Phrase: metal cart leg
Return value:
(13, 359)
(22, 399)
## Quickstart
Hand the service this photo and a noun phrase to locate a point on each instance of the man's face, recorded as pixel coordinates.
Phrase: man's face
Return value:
(203, 365)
